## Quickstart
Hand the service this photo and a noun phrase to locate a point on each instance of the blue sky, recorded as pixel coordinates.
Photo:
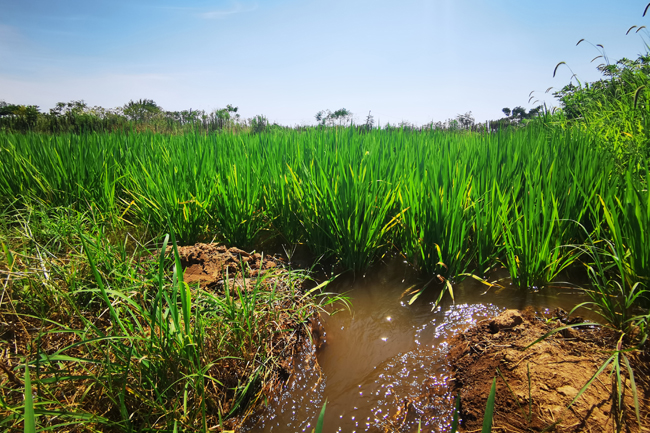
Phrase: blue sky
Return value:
(411, 60)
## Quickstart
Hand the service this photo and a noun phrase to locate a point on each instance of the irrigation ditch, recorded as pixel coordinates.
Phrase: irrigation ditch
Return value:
(387, 366)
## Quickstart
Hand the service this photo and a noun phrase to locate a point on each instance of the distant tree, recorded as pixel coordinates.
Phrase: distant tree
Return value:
(224, 116)
(321, 117)
(72, 108)
(141, 110)
(466, 121)
(519, 113)
(370, 121)
(23, 117)
(259, 124)
(7, 109)
(343, 116)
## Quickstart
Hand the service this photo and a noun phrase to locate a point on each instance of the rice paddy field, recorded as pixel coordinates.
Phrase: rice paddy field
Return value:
(115, 340)
(450, 202)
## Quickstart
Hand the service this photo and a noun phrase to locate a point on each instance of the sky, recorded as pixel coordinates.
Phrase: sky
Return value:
(409, 60)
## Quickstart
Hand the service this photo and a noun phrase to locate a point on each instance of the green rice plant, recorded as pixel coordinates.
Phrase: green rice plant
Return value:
(283, 207)
(487, 230)
(346, 213)
(628, 226)
(238, 208)
(61, 170)
(615, 295)
(170, 183)
(533, 233)
(437, 218)
(282, 191)
(201, 185)
(348, 194)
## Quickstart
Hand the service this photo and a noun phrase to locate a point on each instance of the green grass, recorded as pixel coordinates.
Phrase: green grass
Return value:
(115, 339)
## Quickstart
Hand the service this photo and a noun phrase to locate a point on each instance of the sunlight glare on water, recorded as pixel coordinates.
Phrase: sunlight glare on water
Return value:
(387, 357)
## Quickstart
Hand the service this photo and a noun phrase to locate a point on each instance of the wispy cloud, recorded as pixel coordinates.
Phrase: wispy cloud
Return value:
(221, 13)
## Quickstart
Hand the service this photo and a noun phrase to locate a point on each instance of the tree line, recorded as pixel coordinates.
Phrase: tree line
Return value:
(140, 115)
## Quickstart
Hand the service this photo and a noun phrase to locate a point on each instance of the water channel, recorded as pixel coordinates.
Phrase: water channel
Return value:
(385, 352)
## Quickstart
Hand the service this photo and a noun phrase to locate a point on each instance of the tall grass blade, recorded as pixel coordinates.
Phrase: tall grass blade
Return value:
(456, 417)
(30, 418)
(489, 408)
(321, 419)
(586, 385)
(635, 393)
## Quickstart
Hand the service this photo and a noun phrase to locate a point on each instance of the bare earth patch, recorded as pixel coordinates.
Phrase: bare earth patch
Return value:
(209, 264)
(559, 367)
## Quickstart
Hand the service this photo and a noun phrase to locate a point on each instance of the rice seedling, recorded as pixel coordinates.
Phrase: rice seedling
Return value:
(437, 226)
(532, 241)
(30, 418)
(487, 230)
(628, 223)
(346, 211)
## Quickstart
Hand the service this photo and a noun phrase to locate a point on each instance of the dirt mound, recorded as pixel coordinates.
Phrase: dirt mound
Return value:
(559, 367)
(208, 264)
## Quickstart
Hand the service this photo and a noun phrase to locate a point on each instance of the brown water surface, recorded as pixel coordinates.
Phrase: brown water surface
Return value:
(386, 352)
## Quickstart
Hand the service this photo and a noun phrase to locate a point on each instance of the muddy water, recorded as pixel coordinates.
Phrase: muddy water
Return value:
(385, 353)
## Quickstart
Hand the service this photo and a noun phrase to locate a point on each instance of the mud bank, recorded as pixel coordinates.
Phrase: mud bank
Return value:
(536, 386)
(292, 342)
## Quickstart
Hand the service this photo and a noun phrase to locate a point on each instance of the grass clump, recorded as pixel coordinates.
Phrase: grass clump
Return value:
(113, 338)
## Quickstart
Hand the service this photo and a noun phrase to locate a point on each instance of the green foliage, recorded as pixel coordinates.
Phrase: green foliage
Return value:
(23, 117)
(30, 418)
(141, 110)
(142, 115)
(321, 418)
(516, 116)
(615, 109)
(466, 120)
(342, 117)
(489, 408)
(259, 124)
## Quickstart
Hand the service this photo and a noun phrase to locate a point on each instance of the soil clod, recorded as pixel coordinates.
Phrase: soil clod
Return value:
(209, 264)
(536, 385)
